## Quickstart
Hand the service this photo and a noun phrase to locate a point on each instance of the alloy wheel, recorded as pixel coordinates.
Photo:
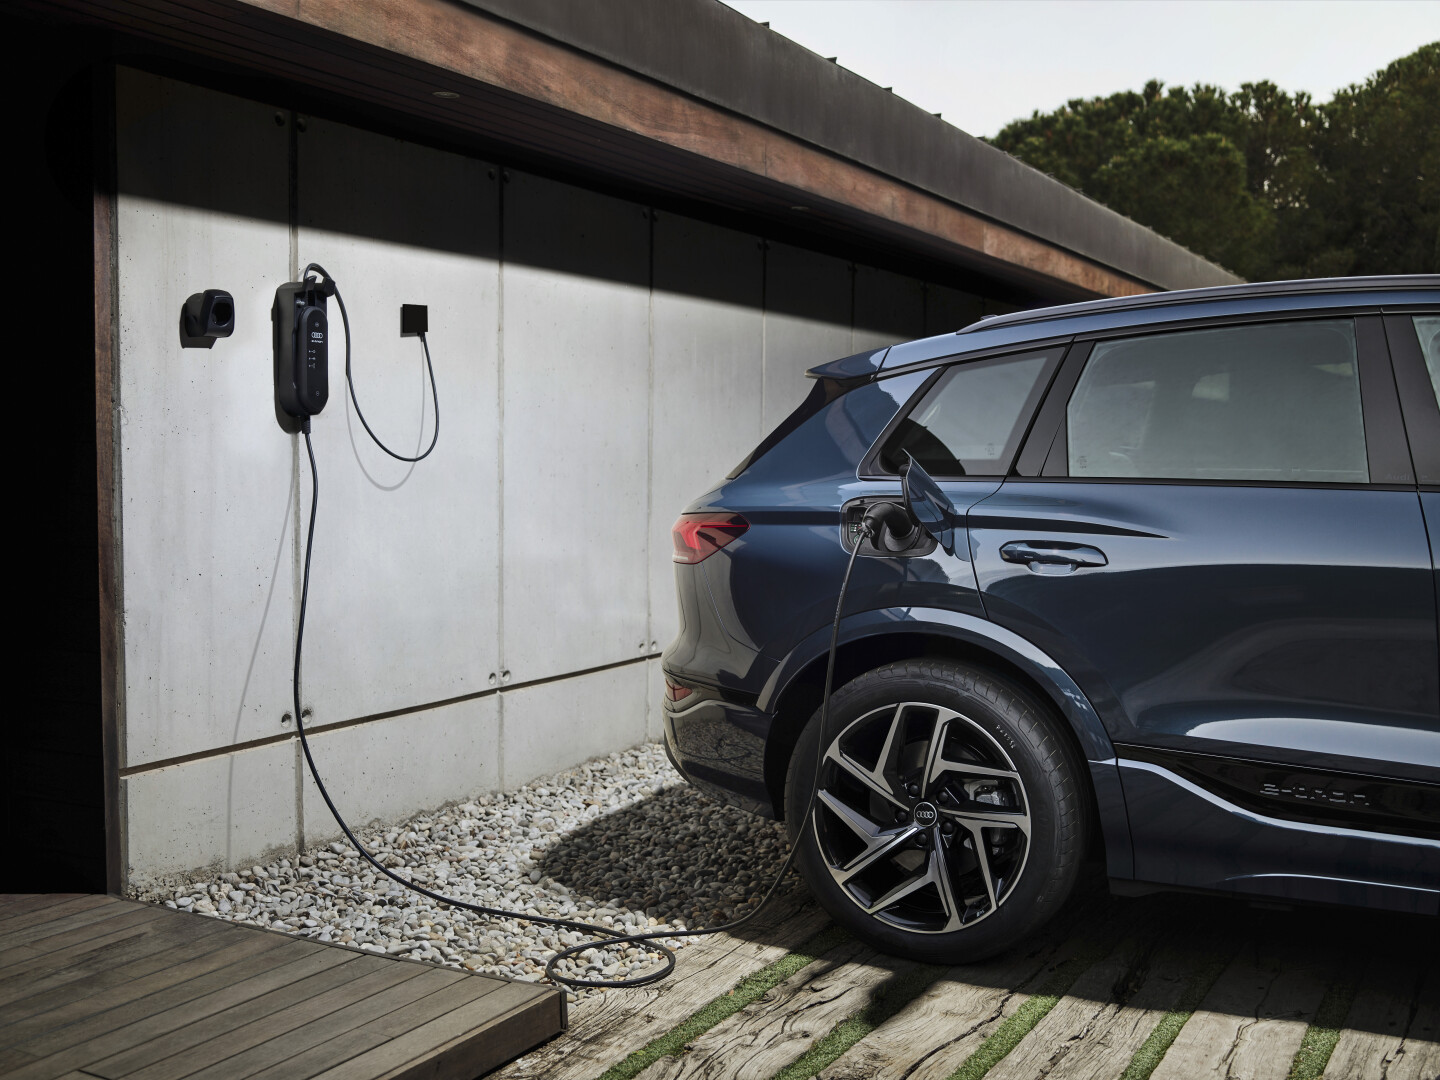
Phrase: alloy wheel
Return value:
(921, 818)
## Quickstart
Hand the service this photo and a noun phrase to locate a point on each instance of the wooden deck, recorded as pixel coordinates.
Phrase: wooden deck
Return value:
(1166, 987)
(95, 986)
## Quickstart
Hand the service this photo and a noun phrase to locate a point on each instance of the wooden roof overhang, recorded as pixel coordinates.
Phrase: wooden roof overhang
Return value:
(524, 93)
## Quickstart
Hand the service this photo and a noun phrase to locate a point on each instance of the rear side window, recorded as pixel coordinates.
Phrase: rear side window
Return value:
(970, 421)
(1428, 329)
(1270, 402)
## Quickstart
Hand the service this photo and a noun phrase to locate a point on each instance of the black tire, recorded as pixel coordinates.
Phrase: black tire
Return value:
(1002, 725)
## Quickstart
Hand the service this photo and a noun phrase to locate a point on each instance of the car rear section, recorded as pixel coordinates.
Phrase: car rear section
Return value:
(1189, 575)
(756, 570)
(759, 561)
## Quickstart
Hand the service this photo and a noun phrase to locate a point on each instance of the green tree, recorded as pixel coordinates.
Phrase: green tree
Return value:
(1264, 182)
(1191, 189)
(1378, 189)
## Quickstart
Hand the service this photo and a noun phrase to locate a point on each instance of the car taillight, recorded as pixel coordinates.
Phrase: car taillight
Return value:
(675, 692)
(698, 536)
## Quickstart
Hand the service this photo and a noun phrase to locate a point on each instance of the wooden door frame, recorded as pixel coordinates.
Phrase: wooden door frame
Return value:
(107, 467)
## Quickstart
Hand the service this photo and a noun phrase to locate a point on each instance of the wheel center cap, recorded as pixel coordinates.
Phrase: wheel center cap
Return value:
(926, 814)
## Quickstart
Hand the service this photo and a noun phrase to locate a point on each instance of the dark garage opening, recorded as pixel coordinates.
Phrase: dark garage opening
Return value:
(53, 781)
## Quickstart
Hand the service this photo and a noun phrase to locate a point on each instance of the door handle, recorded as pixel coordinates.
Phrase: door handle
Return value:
(1038, 553)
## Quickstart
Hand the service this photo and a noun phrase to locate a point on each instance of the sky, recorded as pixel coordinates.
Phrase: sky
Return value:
(983, 63)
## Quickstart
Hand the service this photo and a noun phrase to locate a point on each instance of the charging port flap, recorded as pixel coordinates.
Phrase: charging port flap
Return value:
(853, 512)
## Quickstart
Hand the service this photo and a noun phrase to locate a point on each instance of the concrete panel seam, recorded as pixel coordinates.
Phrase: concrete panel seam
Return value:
(649, 429)
(321, 729)
(292, 149)
(501, 177)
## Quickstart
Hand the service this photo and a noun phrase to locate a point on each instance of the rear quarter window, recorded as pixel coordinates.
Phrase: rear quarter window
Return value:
(1270, 402)
(970, 421)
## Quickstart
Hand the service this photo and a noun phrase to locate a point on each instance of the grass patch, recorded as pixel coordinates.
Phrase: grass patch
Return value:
(1167, 1030)
(1015, 1027)
(889, 999)
(1323, 1032)
(707, 1016)
(1006, 1037)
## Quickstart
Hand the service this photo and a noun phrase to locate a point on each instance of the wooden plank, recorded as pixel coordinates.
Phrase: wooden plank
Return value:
(24, 953)
(935, 1034)
(185, 1049)
(148, 920)
(79, 982)
(330, 1056)
(1375, 1026)
(346, 1045)
(29, 959)
(154, 945)
(463, 1043)
(609, 1029)
(1252, 1021)
(11, 1059)
(86, 924)
(81, 927)
(1419, 1056)
(119, 943)
(1104, 1049)
(42, 910)
(362, 1015)
(393, 985)
(19, 974)
(1087, 1008)
(771, 1033)
(27, 928)
(13, 904)
(69, 1004)
(120, 1029)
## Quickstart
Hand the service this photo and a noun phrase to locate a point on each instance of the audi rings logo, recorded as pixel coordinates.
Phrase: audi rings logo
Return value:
(925, 814)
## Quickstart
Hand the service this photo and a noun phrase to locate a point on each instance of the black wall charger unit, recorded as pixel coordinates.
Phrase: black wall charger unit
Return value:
(302, 347)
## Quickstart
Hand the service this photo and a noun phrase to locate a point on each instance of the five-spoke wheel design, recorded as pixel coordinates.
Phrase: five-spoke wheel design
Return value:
(921, 818)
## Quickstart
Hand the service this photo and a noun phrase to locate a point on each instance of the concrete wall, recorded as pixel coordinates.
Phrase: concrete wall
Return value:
(490, 614)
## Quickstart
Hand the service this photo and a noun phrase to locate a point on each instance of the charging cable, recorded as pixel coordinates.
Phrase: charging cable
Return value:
(609, 936)
(330, 288)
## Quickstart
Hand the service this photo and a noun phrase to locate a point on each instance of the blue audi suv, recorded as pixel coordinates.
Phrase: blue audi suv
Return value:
(1162, 591)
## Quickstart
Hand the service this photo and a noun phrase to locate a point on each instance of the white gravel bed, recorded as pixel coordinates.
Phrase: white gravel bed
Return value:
(621, 841)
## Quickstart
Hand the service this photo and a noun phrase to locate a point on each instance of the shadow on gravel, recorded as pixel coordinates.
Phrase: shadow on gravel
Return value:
(677, 854)
(682, 855)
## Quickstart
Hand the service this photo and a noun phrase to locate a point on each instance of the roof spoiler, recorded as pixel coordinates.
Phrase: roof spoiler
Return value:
(856, 368)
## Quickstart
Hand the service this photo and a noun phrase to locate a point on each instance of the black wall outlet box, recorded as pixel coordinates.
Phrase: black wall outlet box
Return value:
(414, 319)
